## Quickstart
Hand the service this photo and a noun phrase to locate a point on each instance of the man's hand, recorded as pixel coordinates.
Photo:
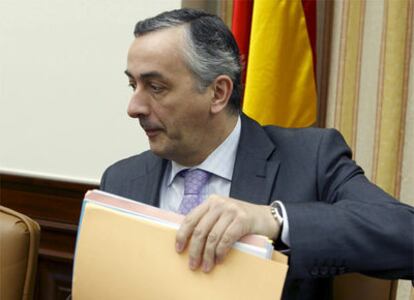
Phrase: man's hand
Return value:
(212, 228)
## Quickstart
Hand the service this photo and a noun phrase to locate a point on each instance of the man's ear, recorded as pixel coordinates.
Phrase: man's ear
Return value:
(222, 88)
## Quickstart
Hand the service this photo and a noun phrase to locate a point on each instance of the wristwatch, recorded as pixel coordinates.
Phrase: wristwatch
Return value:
(276, 210)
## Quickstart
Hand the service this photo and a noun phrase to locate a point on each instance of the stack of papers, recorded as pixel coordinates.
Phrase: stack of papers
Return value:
(126, 250)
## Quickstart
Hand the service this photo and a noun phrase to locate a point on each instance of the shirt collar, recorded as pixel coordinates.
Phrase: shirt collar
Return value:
(225, 152)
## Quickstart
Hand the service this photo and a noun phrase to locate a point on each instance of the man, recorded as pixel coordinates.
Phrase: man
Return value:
(299, 187)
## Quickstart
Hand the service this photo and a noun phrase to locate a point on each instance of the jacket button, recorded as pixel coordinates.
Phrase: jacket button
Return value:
(324, 271)
(314, 271)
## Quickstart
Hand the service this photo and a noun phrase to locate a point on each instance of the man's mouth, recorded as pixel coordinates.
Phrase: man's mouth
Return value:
(152, 132)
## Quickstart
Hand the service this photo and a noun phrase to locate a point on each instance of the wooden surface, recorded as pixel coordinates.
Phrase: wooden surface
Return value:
(56, 206)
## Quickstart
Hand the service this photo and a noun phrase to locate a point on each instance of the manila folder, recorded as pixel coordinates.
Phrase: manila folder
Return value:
(120, 256)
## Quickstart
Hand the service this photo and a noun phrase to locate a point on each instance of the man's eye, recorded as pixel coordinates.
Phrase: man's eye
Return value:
(155, 88)
(132, 85)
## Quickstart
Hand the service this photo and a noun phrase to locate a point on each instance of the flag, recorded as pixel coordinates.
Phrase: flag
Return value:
(241, 25)
(280, 82)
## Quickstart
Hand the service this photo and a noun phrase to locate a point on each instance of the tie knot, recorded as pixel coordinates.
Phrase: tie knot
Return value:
(194, 181)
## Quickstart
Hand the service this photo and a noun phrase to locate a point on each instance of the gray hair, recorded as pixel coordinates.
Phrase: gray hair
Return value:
(211, 48)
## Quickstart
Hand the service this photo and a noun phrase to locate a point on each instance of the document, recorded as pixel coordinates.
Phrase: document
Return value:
(125, 250)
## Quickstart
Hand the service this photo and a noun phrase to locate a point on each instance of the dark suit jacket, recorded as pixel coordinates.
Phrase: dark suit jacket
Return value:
(338, 221)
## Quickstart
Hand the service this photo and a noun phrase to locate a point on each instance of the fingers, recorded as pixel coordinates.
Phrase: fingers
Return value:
(212, 241)
(201, 234)
(213, 228)
(187, 227)
(234, 232)
(219, 242)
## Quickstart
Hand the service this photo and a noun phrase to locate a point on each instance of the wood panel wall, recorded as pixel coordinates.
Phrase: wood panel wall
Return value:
(56, 206)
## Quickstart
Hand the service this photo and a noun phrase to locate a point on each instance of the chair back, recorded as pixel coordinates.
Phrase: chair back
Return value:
(19, 243)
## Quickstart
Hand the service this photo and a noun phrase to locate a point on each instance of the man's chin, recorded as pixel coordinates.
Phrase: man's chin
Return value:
(158, 149)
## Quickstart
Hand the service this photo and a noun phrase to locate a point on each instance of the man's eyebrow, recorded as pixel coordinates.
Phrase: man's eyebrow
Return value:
(147, 75)
(127, 73)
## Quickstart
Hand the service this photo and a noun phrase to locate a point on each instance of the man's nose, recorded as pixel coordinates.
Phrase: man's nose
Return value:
(138, 105)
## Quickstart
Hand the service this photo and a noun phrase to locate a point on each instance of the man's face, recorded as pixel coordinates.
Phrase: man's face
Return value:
(173, 113)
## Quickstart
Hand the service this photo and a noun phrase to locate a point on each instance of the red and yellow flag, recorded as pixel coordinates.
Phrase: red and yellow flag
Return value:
(280, 82)
(241, 26)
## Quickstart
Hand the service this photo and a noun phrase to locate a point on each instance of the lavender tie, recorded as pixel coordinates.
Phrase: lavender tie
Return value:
(194, 181)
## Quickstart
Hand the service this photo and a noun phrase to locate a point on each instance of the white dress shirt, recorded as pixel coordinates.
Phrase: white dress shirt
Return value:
(220, 163)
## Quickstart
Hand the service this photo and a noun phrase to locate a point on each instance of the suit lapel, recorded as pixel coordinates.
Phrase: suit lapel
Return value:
(256, 165)
(149, 184)
(155, 178)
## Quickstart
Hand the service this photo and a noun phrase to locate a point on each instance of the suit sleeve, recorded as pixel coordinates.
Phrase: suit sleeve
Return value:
(102, 184)
(353, 226)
